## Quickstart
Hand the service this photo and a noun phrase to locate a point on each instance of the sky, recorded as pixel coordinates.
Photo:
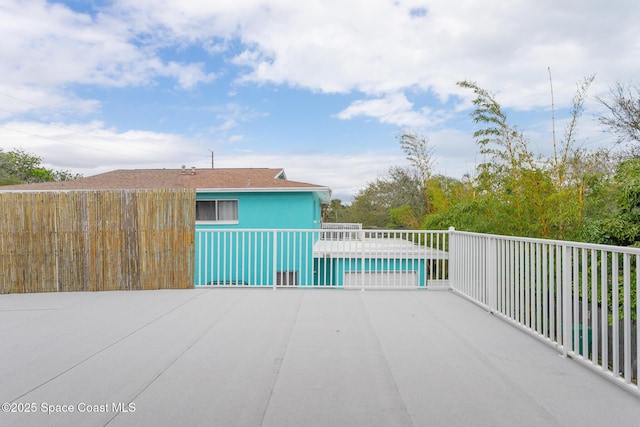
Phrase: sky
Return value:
(321, 88)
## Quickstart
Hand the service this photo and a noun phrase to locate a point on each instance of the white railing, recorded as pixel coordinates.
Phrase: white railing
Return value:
(341, 231)
(341, 226)
(580, 298)
(375, 259)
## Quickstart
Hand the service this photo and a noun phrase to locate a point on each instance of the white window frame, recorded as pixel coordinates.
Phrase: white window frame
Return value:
(217, 221)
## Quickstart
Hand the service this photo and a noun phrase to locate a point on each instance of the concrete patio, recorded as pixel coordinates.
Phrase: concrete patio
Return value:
(289, 357)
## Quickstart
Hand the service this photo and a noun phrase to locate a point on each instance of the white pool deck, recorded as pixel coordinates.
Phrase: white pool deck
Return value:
(288, 357)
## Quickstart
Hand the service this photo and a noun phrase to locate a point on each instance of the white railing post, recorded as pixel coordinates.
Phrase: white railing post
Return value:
(627, 318)
(566, 317)
(491, 285)
(275, 259)
(453, 274)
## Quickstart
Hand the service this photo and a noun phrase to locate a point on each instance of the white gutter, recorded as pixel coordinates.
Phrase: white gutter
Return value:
(325, 192)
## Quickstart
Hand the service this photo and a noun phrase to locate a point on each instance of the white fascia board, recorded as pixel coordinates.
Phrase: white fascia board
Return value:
(323, 192)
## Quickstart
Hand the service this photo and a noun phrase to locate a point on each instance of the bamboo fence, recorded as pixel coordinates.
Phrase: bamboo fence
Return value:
(96, 240)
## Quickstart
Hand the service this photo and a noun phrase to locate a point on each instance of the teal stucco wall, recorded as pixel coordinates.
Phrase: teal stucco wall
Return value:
(331, 272)
(270, 210)
(256, 258)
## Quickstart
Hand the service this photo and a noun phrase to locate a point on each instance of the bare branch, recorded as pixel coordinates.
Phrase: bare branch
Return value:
(623, 107)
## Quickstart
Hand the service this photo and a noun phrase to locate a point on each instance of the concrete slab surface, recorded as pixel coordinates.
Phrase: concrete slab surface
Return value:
(289, 357)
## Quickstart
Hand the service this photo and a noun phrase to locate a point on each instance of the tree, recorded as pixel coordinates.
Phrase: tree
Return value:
(18, 166)
(618, 222)
(334, 212)
(458, 203)
(520, 191)
(573, 170)
(418, 152)
(65, 175)
(402, 188)
(562, 159)
(568, 195)
(623, 112)
(511, 167)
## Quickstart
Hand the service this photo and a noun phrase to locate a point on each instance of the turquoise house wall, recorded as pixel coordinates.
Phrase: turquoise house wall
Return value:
(250, 256)
(269, 210)
(332, 270)
(246, 257)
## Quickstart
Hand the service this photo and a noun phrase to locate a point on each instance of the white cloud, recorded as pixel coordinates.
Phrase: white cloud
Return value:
(48, 104)
(393, 109)
(384, 47)
(344, 174)
(47, 47)
(374, 47)
(92, 148)
(187, 75)
(230, 116)
(236, 138)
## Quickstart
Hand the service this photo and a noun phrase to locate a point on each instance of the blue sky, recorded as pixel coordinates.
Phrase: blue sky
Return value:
(321, 88)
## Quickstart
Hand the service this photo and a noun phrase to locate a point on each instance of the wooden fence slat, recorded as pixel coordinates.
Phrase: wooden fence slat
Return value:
(96, 240)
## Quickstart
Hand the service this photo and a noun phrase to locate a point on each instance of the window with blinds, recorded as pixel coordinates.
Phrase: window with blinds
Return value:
(217, 211)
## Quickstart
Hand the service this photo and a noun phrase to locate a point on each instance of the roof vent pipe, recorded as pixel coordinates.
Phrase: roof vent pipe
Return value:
(193, 170)
(184, 170)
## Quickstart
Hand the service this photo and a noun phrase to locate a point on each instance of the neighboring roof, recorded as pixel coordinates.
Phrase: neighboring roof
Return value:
(245, 179)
